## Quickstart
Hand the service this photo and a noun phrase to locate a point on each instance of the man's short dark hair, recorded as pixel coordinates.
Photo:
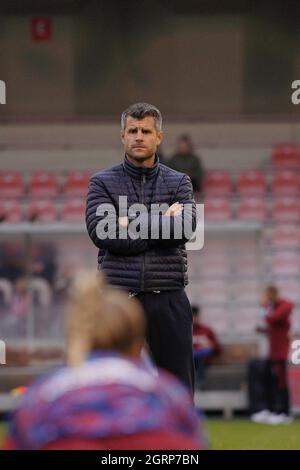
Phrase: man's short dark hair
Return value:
(141, 110)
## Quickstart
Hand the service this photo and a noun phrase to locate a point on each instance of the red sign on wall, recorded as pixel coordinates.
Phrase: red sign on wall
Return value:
(41, 28)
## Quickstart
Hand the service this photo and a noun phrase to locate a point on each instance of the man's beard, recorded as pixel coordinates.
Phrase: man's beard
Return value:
(140, 158)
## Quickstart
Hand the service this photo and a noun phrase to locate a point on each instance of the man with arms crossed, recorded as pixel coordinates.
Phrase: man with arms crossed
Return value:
(151, 265)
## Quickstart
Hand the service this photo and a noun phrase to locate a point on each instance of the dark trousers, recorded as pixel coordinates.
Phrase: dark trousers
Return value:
(200, 361)
(268, 386)
(278, 385)
(169, 332)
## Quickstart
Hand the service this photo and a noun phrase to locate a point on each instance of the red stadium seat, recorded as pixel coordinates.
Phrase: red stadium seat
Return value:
(286, 183)
(252, 209)
(43, 184)
(217, 183)
(217, 209)
(10, 211)
(251, 183)
(286, 209)
(76, 184)
(11, 184)
(73, 211)
(286, 156)
(42, 211)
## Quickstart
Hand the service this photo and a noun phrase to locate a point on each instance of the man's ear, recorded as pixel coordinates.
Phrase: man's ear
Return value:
(160, 136)
(122, 136)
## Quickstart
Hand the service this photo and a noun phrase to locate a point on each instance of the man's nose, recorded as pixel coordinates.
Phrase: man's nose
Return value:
(139, 136)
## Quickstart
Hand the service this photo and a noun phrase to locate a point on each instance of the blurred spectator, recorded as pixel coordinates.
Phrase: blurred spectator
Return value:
(6, 292)
(185, 161)
(64, 281)
(108, 397)
(20, 300)
(275, 313)
(205, 345)
(43, 261)
(12, 260)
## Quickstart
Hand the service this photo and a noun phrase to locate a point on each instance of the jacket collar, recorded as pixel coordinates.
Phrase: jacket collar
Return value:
(137, 171)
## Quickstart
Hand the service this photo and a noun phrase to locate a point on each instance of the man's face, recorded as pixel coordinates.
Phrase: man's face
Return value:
(141, 138)
(184, 147)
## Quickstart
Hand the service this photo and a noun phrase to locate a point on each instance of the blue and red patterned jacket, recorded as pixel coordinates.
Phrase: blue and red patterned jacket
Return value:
(109, 397)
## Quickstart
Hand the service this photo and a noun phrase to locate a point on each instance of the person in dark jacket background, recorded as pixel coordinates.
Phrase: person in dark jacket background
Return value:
(151, 263)
(276, 313)
(186, 161)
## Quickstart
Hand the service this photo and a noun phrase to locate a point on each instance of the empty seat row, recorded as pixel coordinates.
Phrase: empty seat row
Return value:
(72, 210)
(216, 183)
(283, 209)
(43, 184)
(252, 183)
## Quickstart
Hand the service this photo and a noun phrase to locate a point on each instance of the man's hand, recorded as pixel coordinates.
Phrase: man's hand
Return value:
(123, 221)
(175, 209)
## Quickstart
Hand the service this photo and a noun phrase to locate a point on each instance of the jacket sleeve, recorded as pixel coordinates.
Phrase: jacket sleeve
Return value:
(280, 313)
(102, 217)
(175, 230)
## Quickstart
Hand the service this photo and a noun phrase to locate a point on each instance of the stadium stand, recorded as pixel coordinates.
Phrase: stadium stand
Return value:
(286, 156)
(10, 211)
(286, 183)
(76, 184)
(11, 184)
(286, 209)
(248, 205)
(217, 183)
(251, 183)
(73, 211)
(252, 209)
(43, 184)
(217, 209)
(41, 211)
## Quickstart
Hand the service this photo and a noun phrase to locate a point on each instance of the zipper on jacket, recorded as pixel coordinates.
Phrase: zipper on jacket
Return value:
(143, 180)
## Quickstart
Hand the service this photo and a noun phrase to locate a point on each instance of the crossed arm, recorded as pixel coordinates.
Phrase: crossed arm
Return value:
(102, 217)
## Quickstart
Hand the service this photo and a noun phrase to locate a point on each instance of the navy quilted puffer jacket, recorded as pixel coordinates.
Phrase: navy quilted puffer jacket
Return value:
(142, 264)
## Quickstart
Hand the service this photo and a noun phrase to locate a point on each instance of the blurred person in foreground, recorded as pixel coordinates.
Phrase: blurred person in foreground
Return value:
(205, 345)
(107, 397)
(275, 312)
(186, 161)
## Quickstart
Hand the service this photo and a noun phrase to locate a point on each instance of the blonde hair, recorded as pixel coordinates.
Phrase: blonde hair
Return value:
(101, 317)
